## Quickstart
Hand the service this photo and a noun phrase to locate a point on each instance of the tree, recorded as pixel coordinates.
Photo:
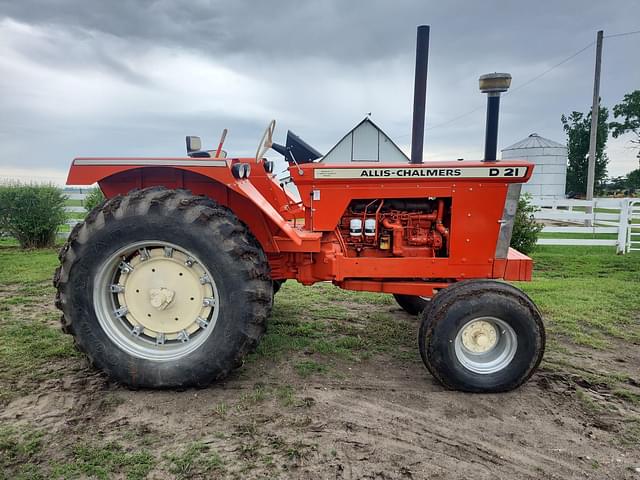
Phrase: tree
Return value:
(525, 227)
(578, 128)
(615, 183)
(629, 111)
(94, 198)
(32, 213)
(633, 179)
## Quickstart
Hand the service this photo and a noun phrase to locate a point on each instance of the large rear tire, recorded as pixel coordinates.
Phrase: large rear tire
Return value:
(163, 289)
(481, 336)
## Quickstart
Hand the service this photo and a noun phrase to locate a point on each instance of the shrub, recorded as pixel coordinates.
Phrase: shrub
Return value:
(525, 227)
(32, 213)
(94, 198)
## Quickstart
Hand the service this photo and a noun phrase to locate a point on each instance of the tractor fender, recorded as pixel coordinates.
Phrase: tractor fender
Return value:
(120, 175)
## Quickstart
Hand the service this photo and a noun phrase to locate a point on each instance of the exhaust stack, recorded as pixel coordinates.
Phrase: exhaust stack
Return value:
(420, 94)
(493, 84)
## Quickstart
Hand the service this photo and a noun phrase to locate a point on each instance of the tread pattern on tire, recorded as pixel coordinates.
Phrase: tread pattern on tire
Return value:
(198, 211)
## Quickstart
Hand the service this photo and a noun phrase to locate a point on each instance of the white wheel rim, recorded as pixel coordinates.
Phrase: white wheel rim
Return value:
(485, 345)
(155, 300)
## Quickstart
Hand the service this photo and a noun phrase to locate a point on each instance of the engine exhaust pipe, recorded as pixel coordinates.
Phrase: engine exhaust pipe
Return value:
(493, 84)
(420, 94)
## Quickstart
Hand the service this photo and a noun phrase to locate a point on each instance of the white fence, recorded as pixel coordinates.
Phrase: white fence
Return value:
(633, 232)
(611, 222)
(74, 194)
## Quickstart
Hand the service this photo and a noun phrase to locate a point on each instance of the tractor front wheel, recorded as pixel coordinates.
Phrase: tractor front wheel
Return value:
(481, 336)
(161, 288)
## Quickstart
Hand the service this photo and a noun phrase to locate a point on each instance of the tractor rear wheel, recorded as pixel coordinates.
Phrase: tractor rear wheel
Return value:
(412, 304)
(161, 288)
(481, 336)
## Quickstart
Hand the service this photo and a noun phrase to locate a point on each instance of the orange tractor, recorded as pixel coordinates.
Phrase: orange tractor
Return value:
(170, 282)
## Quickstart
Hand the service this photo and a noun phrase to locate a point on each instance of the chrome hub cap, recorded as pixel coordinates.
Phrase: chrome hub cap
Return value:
(485, 345)
(155, 300)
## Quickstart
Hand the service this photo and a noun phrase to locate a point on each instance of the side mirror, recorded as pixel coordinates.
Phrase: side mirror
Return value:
(194, 144)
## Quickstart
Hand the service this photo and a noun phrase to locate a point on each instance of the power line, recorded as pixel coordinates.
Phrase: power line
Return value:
(528, 82)
(521, 86)
(549, 70)
(567, 59)
(447, 122)
(623, 34)
(452, 120)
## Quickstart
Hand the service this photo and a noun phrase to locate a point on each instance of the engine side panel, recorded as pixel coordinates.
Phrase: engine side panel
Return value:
(403, 224)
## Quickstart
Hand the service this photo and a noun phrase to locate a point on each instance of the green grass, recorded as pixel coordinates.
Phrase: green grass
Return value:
(285, 395)
(631, 433)
(597, 209)
(26, 266)
(587, 403)
(18, 447)
(21, 449)
(306, 368)
(104, 462)
(627, 395)
(597, 236)
(221, 409)
(329, 323)
(587, 293)
(30, 341)
(257, 395)
(196, 460)
(30, 351)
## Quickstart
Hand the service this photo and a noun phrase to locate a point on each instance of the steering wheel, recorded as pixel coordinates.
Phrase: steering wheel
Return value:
(266, 141)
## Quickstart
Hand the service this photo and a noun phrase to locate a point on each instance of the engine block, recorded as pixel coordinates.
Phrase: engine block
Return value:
(397, 227)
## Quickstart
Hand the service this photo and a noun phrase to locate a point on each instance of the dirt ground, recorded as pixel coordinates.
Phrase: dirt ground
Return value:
(383, 417)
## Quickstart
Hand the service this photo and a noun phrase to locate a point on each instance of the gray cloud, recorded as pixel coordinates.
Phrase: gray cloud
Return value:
(346, 32)
(133, 77)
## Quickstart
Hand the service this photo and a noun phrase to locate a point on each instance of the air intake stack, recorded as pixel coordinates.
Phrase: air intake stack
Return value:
(493, 84)
(420, 94)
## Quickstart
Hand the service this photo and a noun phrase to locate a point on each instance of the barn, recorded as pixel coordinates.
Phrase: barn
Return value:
(366, 142)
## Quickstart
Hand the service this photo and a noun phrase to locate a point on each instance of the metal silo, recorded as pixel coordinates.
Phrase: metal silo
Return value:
(550, 175)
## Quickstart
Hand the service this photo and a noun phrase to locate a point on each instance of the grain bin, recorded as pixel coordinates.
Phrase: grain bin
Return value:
(550, 174)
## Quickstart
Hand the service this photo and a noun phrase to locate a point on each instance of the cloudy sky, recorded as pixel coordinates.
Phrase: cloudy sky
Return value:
(125, 77)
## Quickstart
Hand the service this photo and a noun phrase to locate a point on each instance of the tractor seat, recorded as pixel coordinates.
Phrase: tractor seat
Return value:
(200, 154)
(194, 149)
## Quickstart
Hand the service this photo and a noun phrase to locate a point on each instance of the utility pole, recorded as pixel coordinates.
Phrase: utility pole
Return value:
(595, 113)
(595, 110)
